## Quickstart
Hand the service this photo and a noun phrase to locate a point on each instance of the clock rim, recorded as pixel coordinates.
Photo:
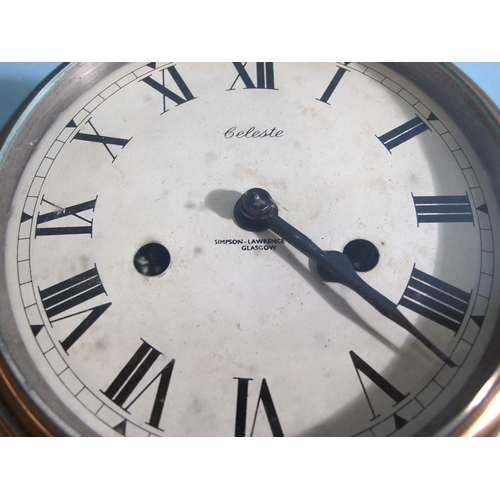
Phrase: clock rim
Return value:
(23, 411)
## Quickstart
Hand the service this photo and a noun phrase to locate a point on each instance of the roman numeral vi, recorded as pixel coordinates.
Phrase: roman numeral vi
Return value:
(241, 409)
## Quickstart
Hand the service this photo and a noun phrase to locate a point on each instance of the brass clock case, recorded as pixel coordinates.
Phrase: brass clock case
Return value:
(29, 405)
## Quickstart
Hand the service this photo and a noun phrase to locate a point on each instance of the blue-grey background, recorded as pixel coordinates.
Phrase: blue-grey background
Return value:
(17, 80)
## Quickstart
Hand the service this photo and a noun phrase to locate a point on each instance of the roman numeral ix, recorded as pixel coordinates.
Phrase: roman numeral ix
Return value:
(49, 229)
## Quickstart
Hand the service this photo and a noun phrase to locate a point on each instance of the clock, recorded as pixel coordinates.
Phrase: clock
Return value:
(251, 249)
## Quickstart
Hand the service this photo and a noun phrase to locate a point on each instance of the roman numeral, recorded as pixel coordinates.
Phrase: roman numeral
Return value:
(106, 141)
(241, 409)
(432, 209)
(403, 133)
(333, 84)
(361, 366)
(62, 212)
(131, 375)
(264, 76)
(70, 293)
(166, 92)
(435, 300)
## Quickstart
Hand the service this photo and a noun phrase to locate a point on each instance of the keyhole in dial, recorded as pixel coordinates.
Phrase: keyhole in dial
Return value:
(363, 254)
(152, 259)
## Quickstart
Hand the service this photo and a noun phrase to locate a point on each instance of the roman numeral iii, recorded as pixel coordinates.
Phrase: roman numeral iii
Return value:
(432, 209)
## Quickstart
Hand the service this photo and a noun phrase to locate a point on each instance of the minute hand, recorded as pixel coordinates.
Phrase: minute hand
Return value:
(256, 211)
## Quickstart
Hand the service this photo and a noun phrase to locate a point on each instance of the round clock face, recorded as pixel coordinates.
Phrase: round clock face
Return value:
(137, 305)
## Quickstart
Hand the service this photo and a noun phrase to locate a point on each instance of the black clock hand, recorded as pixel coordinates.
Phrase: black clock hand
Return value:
(256, 211)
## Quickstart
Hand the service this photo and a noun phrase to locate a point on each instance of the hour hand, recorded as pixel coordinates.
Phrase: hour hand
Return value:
(256, 211)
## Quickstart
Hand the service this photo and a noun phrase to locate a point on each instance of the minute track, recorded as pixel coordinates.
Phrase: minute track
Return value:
(276, 325)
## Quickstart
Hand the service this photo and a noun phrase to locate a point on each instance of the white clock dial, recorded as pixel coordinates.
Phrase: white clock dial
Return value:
(147, 310)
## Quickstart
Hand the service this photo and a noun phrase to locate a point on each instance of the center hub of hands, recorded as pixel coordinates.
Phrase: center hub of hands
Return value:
(257, 203)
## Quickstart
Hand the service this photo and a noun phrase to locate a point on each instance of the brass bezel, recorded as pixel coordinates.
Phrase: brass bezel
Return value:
(23, 410)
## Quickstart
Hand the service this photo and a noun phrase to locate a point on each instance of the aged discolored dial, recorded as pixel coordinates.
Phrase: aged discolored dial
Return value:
(149, 289)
